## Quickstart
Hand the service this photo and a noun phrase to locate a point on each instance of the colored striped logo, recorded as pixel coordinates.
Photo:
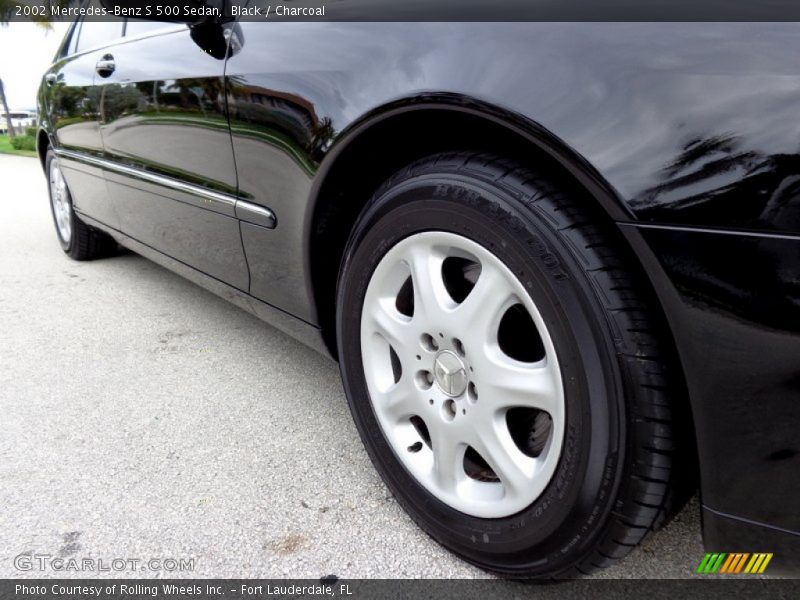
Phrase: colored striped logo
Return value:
(734, 563)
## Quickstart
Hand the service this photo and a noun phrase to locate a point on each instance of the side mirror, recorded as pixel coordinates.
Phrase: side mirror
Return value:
(212, 37)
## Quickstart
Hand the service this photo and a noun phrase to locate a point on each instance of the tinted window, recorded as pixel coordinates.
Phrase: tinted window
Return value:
(140, 26)
(96, 34)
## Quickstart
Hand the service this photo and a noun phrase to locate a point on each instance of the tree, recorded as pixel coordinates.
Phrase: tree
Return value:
(7, 11)
(7, 113)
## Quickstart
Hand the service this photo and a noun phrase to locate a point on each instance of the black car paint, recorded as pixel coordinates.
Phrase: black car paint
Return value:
(73, 109)
(733, 304)
(686, 135)
(186, 118)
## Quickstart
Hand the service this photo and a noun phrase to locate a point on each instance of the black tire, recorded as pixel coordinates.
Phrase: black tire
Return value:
(616, 480)
(85, 242)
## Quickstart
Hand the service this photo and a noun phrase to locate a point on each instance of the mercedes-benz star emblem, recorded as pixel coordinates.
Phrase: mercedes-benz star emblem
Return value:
(449, 373)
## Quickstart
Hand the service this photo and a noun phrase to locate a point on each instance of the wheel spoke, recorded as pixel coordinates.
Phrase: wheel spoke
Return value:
(495, 445)
(530, 386)
(401, 400)
(394, 329)
(448, 457)
(484, 306)
(426, 276)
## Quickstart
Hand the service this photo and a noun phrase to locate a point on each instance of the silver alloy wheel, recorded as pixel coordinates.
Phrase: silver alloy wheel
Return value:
(442, 383)
(59, 196)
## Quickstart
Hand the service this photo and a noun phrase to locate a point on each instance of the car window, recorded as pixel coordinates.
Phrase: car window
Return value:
(94, 34)
(140, 26)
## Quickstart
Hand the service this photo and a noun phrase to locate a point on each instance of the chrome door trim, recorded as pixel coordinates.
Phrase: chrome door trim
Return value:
(223, 203)
(255, 214)
(216, 201)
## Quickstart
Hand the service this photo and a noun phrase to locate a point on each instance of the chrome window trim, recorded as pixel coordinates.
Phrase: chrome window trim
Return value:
(123, 39)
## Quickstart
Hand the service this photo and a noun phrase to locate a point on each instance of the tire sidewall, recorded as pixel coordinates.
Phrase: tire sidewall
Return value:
(561, 524)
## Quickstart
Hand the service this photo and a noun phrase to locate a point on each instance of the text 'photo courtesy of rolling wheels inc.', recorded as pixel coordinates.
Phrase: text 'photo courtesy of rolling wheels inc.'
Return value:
(377, 299)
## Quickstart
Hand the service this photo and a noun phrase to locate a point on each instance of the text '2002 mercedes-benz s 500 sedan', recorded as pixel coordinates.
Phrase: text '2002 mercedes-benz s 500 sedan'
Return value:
(559, 269)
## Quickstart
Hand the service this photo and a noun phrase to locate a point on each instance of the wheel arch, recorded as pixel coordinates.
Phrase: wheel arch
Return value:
(384, 140)
(42, 144)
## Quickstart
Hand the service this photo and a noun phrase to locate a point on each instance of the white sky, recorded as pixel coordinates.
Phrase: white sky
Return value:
(26, 50)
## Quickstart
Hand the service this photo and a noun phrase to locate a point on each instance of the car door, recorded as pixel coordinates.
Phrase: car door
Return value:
(279, 101)
(72, 106)
(169, 162)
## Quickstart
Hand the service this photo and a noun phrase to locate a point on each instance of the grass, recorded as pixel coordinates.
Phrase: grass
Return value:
(7, 148)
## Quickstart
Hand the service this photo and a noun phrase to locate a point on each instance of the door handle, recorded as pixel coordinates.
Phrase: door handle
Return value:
(105, 66)
(50, 78)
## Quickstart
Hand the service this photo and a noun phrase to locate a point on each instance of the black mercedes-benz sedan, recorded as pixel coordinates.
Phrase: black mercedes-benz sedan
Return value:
(558, 264)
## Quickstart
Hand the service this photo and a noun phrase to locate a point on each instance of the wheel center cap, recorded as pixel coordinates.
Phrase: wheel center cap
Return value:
(450, 373)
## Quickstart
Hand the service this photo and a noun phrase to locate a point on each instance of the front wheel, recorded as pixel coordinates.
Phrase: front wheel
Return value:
(502, 369)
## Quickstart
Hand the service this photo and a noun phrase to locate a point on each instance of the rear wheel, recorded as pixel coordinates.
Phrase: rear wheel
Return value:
(77, 239)
(503, 369)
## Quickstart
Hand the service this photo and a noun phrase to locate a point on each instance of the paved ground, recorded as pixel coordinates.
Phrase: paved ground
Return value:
(143, 417)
